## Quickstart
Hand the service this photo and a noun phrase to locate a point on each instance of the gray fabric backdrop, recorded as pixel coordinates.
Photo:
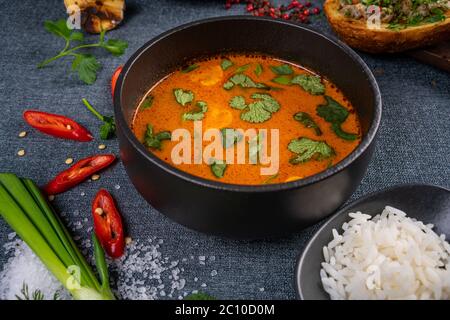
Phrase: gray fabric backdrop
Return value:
(413, 143)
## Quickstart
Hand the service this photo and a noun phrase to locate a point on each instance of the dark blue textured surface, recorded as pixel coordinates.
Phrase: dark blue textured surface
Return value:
(413, 142)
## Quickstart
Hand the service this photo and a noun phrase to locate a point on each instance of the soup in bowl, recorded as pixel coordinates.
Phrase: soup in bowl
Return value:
(248, 134)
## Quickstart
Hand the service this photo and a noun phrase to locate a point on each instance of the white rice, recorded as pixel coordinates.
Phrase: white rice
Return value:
(389, 256)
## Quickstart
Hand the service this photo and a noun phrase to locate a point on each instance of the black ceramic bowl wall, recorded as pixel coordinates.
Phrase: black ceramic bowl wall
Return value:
(236, 210)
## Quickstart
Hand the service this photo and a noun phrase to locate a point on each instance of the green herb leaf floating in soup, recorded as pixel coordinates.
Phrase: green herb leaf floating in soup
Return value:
(198, 113)
(307, 149)
(243, 81)
(336, 114)
(190, 68)
(238, 102)
(147, 103)
(225, 64)
(258, 111)
(183, 97)
(284, 80)
(309, 83)
(271, 178)
(218, 168)
(258, 69)
(154, 141)
(284, 69)
(305, 119)
(242, 68)
(230, 137)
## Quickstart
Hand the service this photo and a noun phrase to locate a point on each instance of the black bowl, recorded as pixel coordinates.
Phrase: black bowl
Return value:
(242, 211)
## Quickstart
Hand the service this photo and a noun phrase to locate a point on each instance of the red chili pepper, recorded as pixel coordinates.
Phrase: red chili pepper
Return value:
(114, 78)
(77, 173)
(108, 224)
(56, 125)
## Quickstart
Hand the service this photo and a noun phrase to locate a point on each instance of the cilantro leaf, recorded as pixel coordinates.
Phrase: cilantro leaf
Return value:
(336, 114)
(230, 137)
(147, 103)
(108, 128)
(307, 149)
(238, 102)
(115, 46)
(256, 113)
(155, 141)
(87, 66)
(76, 36)
(199, 296)
(218, 168)
(270, 104)
(243, 81)
(190, 68)
(58, 28)
(305, 119)
(309, 83)
(258, 70)
(196, 114)
(225, 64)
(283, 69)
(183, 97)
(242, 68)
(285, 80)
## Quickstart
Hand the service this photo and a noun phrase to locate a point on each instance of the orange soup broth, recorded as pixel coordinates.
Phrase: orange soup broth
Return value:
(206, 82)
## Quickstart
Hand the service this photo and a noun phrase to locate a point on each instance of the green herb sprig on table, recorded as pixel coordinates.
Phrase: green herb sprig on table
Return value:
(108, 128)
(334, 113)
(86, 65)
(35, 295)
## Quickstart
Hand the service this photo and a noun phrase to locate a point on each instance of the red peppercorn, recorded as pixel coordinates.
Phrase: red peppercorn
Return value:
(306, 12)
(250, 7)
(316, 10)
(308, 4)
(285, 16)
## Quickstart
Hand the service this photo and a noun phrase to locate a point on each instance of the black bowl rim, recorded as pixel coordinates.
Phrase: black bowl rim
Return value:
(365, 143)
(302, 255)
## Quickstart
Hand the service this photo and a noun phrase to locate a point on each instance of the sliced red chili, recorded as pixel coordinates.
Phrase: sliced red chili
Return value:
(114, 78)
(57, 125)
(108, 224)
(77, 173)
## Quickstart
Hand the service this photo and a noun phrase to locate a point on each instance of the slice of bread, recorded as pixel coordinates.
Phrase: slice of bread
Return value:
(356, 34)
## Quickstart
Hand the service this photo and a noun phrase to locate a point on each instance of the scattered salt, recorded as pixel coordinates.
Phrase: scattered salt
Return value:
(213, 273)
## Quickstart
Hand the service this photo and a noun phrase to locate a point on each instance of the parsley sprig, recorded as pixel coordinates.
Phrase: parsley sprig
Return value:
(86, 65)
(108, 128)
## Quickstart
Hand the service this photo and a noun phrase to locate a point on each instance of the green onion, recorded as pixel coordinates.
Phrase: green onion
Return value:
(27, 212)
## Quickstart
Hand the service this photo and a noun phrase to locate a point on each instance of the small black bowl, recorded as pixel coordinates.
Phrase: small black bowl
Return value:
(427, 203)
(232, 210)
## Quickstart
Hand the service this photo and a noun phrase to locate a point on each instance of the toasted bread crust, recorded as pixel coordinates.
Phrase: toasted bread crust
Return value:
(357, 35)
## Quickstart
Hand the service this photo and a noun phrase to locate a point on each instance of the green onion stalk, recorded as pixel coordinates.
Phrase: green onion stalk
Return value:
(25, 209)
